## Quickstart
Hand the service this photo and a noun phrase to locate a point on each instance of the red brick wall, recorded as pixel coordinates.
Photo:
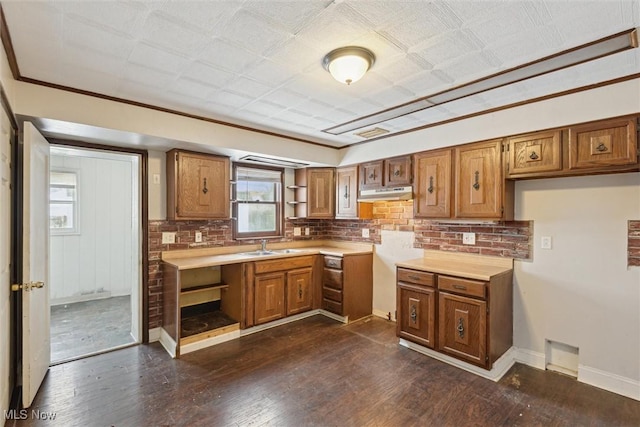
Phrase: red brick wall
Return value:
(633, 244)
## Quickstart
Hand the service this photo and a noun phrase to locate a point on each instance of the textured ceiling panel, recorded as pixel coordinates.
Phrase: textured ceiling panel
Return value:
(259, 62)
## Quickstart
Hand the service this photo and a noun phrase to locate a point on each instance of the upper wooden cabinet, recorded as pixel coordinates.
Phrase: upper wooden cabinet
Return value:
(385, 173)
(197, 186)
(605, 143)
(320, 192)
(534, 153)
(432, 185)
(479, 183)
(347, 205)
(371, 175)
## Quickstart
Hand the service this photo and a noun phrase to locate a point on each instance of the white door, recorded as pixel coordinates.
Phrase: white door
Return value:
(5, 262)
(36, 342)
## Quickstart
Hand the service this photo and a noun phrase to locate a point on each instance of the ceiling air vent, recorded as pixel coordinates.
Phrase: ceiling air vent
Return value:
(372, 133)
(273, 162)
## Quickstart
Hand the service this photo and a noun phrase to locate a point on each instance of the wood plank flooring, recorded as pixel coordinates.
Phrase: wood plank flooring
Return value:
(314, 372)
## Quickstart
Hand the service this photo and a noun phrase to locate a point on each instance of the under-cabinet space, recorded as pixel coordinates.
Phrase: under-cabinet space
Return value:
(200, 303)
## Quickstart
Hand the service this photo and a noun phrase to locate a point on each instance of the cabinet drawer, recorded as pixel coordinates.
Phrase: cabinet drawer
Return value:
(332, 294)
(333, 262)
(415, 276)
(332, 306)
(471, 288)
(332, 278)
(283, 264)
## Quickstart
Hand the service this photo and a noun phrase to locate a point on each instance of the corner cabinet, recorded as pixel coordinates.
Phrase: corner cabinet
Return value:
(480, 189)
(197, 186)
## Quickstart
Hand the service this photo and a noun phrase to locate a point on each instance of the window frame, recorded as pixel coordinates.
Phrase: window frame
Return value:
(75, 230)
(279, 204)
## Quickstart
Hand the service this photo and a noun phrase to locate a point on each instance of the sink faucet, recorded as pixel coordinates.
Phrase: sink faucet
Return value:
(263, 242)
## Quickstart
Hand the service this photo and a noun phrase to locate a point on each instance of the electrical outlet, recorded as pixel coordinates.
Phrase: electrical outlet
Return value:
(365, 233)
(307, 231)
(297, 231)
(198, 236)
(546, 242)
(468, 238)
(168, 238)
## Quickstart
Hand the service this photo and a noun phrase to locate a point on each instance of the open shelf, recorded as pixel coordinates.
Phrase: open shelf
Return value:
(200, 288)
(204, 321)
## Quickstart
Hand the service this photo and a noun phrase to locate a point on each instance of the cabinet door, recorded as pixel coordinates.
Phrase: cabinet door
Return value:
(320, 193)
(606, 143)
(398, 171)
(416, 314)
(479, 184)
(269, 297)
(347, 192)
(371, 175)
(433, 184)
(201, 186)
(299, 291)
(462, 328)
(534, 153)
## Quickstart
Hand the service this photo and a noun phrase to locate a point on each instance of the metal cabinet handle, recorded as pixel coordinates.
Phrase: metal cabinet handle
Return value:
(601, 148)
(414, 277)
(346, 191)
(476, 184)
(300, 291)
(396, 172)
(204, 188)
(414, 314)
(430, 189)
(460, 327)
(462, 288)
(533, 156)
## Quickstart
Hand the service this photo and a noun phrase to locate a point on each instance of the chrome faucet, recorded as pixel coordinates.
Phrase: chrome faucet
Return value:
(263, 242)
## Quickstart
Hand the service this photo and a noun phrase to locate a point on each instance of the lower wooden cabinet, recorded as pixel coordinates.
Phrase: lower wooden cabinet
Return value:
(299, 291)
(471, 320)
(269, 297)
(347, 285)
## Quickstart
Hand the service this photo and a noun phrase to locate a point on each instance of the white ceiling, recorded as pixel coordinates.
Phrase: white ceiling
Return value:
(259, 63)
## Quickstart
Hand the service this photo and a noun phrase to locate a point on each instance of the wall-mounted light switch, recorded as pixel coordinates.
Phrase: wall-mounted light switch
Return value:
(307, 231)
(156, 178)
(198, 236)
(546, 242)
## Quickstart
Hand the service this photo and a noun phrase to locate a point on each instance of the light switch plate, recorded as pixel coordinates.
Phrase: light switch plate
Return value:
(156, 178)
(307, 231)
(365, 233)
(168, 238)
(468, 238)
(546, 242)
(297, 231)
(198, 236)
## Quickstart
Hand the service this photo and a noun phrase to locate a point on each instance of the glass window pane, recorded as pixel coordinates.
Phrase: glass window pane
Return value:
(256, 218)
(256, 191)
(61, 216)
(62, 193)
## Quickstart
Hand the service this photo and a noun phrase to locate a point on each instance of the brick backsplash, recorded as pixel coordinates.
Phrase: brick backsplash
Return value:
(508, 239)
(633, 244)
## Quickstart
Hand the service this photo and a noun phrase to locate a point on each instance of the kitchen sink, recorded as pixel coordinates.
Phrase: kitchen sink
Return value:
(258, 253)
(286, 251)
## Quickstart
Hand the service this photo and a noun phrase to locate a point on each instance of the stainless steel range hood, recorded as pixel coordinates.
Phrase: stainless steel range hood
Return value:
(386, 194)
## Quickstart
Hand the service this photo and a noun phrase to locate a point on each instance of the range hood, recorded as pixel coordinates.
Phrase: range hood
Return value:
(386, 194)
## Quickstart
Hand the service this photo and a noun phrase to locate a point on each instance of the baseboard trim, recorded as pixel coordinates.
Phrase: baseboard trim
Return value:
(500, 366)
(610, 382)
(334, 316)
(382, 314)
(168, 343)
(279, 322)
(198, 345)
(592, 376)
(154, 334)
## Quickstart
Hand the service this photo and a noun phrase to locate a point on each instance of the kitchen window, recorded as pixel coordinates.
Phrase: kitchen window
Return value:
(63, 202)
(257, 205)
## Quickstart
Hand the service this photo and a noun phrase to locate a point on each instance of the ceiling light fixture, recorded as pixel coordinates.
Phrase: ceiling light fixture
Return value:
(348, 64)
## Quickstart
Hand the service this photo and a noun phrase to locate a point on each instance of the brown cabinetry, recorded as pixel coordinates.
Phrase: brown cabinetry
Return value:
(534, 153)
(279, 288)
(604, 143)
(466, 318)
(347, 205)
(391, 172)
(197, 185)
(479, 184)
(432, 186)
(347, 285)
(320, 193)
(416, 302)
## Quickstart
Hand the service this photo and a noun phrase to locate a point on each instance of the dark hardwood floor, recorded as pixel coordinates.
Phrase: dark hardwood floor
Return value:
(313, 372)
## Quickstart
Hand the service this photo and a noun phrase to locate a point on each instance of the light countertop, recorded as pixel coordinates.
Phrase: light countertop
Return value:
(198, 258)
(461, 265)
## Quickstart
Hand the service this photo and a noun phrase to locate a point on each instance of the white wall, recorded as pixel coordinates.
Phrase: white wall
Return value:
(581, 292)
(101, 257)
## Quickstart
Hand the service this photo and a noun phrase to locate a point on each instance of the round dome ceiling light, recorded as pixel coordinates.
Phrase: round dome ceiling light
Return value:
(348, 64)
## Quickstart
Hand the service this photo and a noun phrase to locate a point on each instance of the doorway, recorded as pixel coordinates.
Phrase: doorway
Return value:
(95, 251)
